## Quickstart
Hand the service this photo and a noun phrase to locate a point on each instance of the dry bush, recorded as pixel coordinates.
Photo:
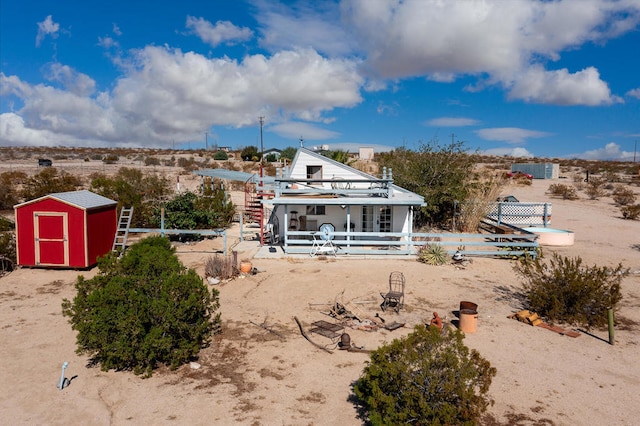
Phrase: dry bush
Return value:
(221, 267)
(565, 191)
(623, 196)
(482, 195)
(595, 188)
(631, 212)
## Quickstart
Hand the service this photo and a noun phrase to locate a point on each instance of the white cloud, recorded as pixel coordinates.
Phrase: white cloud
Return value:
(509, 152)
(45, 28)
(512, 135)
(116, 29)
(222, 32)
(634, 93)
(452, 122)
(167, 95)
(306, 131)
(560, 87)
(494, 39)
(611, 151)
(75, 82)
(303, 25)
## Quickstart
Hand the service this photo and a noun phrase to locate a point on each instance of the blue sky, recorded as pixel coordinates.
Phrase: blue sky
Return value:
(507, 77)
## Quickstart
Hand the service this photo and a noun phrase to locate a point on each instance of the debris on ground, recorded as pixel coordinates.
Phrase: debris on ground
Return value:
(533, 319)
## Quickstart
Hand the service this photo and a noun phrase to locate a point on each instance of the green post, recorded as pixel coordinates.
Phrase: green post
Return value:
(611, 336)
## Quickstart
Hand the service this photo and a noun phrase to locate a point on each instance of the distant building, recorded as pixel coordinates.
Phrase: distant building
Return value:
(538, 170)
(365, 153)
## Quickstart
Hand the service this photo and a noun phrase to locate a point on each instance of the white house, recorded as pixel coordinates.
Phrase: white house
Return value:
(359, 209)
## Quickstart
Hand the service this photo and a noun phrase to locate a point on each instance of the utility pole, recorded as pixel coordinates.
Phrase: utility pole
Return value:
(635, 148)
(206, 141)
(261, 144)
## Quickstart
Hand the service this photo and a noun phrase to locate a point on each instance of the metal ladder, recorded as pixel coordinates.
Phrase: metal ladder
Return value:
(120, 240)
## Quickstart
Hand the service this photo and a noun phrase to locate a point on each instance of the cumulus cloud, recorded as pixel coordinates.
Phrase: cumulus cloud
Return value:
(306, 131)
(512, 135)
(509, 152)
(506, 41)
(561, 87)
(452, 122)
(47, 28)
(303, 25)
(167, 95)
(221, 32)
(610, 151)
(635, 93)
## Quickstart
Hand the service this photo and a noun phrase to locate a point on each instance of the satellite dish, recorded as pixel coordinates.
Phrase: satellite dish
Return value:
(326, 229)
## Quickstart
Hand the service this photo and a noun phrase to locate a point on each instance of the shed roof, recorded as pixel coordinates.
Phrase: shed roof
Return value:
(83, 199)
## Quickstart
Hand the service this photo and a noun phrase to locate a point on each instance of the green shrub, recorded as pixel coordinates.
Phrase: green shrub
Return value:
(110, 159)
(565, 191)
(425, 378)
(220, 155)
(250, 153)
(564, 290)
(142, 310)
(151, 161)
(631, 212)
(49, 181)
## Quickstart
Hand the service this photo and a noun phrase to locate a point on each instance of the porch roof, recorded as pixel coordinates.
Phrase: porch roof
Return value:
(234, 175)
(396, 200)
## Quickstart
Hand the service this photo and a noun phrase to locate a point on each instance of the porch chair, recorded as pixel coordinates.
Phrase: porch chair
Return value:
(395, 296)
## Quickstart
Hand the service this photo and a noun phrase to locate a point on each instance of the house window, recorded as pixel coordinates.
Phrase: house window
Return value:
(315, 210)
(314, 172)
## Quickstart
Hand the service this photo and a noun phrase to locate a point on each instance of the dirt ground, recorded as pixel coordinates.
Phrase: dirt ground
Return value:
(271, 375)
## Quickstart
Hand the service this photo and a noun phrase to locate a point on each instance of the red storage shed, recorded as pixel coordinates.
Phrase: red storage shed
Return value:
(65, 229)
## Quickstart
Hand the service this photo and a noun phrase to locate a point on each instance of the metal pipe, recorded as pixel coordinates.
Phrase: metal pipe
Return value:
(611, 333)
(62, 378)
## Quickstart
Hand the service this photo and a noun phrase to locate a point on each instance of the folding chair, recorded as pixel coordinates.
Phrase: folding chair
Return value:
(395, 296)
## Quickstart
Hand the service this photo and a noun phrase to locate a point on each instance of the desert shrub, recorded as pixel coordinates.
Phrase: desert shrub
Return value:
(8, 255)
(170, 162)
(221, 267)
(289, 153)
(190, 211)
(433, 254)
(623, 196)
(9, 181)
(565, 191)
(96, 157)
(49, 181)
(522, 180)
(631, 212)
(131, 188)
(110, 159)
(271, 158)
(564, 290)
(439, 173)
(596, 188)
(426, 378)
(220, 155)
(250, 153)
(151, 161)
(142, 310)
(482, 195)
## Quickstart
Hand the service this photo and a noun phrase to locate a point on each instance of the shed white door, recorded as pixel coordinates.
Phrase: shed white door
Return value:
(51, 238)
(377, 219)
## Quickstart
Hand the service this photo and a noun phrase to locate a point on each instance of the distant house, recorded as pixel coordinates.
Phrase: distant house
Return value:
(65, 229)
(274, 152)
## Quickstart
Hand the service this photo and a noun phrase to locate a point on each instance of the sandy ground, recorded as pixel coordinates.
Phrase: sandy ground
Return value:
(252, 376)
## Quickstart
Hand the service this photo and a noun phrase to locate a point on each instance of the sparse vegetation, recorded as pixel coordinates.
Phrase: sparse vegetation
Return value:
(433, 254)
(565, 191)
(428, 377)
(221, 267)
(49, 181)
(564, 290)
(220, 155)
(596, 188)
(631, 212)
(142, 310)
(623, 196)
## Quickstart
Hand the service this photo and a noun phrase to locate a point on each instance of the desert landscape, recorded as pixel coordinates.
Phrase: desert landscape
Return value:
(260, 370)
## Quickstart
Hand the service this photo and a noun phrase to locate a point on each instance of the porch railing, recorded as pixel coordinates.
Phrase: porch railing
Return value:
(400, 243)
(341, 187)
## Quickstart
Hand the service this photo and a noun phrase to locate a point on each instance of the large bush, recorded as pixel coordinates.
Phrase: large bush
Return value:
(49, 181)
(440, 173)
(131, 188)
(142, 310)
(567, 291)
(425, 378)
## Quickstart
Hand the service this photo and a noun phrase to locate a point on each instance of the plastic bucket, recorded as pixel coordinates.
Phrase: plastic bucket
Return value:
(468, 306)
(468, 320)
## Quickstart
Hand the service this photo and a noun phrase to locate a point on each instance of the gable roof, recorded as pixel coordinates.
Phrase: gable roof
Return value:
(338, 170)
(83, 199)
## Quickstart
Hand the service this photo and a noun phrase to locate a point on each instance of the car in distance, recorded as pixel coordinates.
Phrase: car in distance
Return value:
(519, 174)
